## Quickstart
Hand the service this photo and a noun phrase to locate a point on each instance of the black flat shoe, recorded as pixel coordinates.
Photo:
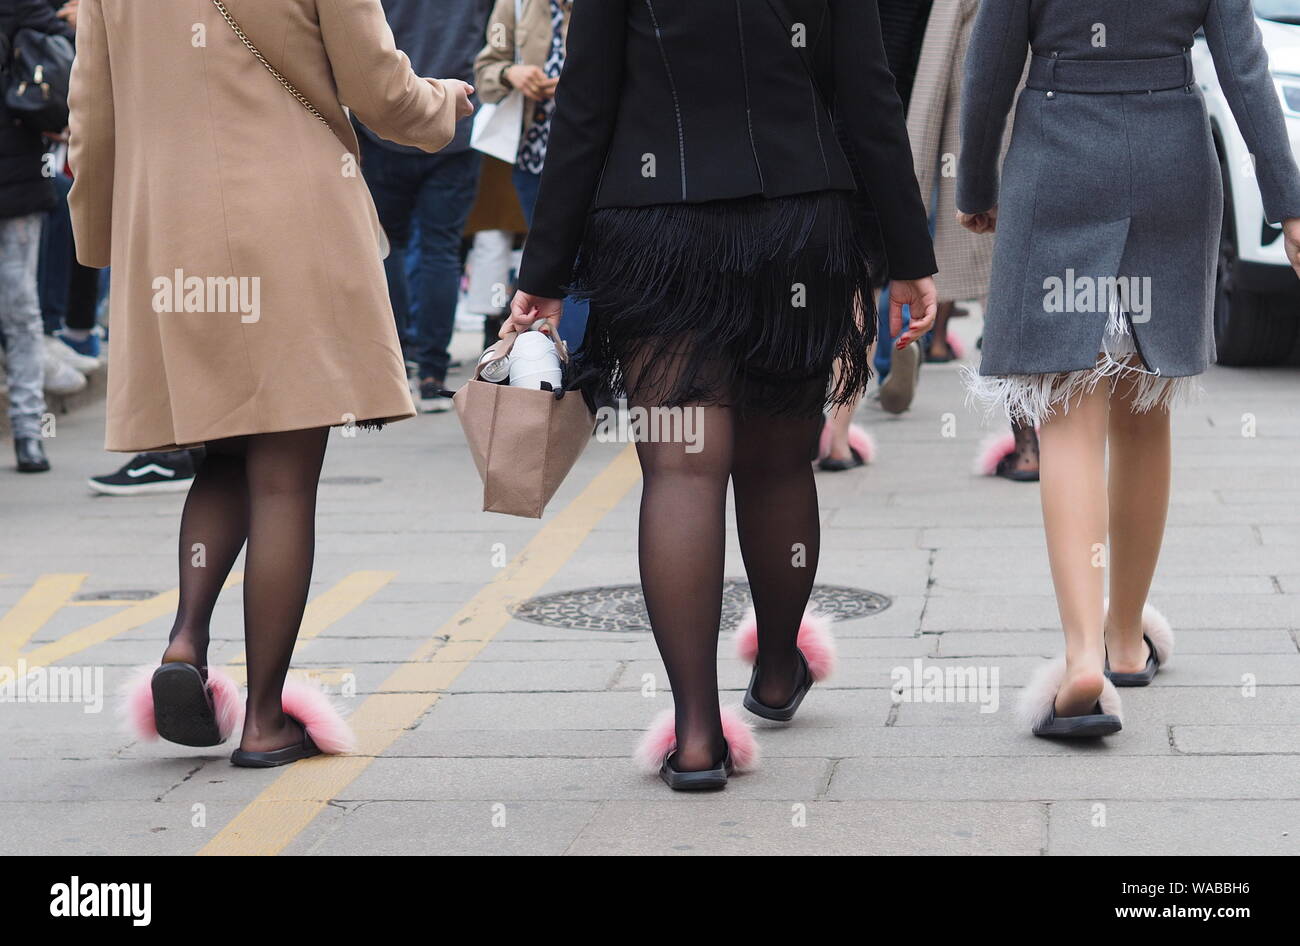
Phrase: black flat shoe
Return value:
(836, 465)
(269, 760)
(30, 455)
(1091, 726)
(1007, 471)
(1142, 677)
(708, 780)
(182, 706)
(779, 714)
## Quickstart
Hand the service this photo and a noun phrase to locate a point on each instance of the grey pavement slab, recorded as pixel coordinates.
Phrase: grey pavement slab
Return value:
(527, 750)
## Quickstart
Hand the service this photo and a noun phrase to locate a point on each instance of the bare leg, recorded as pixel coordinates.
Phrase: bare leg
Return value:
(283, 473)
(842, 418)
(1140, 464)
(1073, 489)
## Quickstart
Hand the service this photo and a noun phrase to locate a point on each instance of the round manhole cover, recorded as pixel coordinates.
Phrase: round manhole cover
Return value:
(350, 480)
(622, 608)
(122, 595)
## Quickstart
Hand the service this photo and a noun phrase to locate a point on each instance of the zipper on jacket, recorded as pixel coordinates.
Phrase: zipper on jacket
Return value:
(749, 112)
(672, 86)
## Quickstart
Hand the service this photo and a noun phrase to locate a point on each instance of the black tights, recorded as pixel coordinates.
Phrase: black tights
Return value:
(682, 545)
(259, 489)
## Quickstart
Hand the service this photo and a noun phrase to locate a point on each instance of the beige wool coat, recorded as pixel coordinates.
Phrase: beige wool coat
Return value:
(248, 292)
(965, 258)
(531, 37)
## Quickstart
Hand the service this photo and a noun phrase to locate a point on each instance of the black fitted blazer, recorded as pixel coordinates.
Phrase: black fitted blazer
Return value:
(687, 101)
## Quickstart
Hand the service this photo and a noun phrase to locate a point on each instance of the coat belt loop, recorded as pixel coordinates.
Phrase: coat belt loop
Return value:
(1051, 74)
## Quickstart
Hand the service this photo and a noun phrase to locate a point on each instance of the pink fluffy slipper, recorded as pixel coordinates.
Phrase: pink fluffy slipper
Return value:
(306, 702)
(993, 450)
(660, 740)
(198, 721)
(815, 641)
(859, 440)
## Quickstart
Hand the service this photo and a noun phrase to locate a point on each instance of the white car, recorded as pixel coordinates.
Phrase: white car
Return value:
(1257, 303)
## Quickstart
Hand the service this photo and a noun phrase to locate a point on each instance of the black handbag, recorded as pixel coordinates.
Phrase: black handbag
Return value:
(36, 81)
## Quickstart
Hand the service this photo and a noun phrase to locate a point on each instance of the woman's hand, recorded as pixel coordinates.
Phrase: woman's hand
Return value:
(1291, 234)
(531, 81)
(921, 296)
(69, 13)
(525, 309)
(462, 91)
(985, 222)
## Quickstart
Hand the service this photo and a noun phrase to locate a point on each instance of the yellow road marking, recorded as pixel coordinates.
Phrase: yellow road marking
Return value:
(290, 803)
(128, 619)
(21, 622)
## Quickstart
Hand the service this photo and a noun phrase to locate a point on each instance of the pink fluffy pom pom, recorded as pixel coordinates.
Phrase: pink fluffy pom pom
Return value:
(308, 704)
(660, 740)
(859, 440)
(992, 450)
(815, 641)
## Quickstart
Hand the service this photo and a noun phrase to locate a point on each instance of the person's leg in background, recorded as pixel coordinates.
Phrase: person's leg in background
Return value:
(899, 371)
(53, 271)
(573, 324)
(448, 188)
(527, 184)
(393, 188)
(20, 320)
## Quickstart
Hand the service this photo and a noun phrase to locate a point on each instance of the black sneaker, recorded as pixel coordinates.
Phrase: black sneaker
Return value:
(148, 473)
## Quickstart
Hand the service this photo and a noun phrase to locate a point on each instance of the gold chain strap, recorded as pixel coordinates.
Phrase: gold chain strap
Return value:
(289, 87)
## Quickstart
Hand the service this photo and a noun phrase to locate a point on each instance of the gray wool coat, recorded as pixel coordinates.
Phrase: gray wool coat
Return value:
(1111, 188)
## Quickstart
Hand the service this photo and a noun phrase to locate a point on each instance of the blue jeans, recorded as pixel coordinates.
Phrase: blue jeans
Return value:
(54, 272)
(429, 196)
(573, 324)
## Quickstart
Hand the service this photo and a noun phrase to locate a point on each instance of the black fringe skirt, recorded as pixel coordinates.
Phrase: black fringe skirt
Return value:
(764, 305)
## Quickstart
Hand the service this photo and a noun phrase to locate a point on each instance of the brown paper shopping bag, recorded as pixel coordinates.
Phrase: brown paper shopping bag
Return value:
(524, 442)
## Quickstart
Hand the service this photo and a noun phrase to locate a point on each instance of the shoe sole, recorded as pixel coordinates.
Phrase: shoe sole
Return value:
(1080, 727)
(168, 486)
(899, 388)
(182, 708)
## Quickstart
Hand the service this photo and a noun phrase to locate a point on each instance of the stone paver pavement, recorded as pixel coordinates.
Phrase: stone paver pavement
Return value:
(508, 737)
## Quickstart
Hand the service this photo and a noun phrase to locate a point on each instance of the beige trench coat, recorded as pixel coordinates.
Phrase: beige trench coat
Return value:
(533, 34)
(965, 258)
(248, 292)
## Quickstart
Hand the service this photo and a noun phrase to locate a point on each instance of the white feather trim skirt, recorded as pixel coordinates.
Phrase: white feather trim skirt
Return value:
(1033, 398)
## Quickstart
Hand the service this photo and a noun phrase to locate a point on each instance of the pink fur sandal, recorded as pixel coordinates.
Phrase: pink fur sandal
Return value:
(324, 728)
(994, 457)
(1159, 635)
(862, 447)
(175, 703)
(816, 649)
(655, 751)
(1037, 707)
